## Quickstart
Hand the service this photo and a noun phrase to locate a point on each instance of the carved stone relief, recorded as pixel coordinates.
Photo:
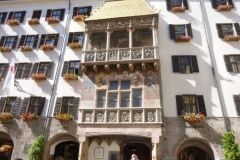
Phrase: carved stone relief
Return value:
(125, 116)
(137, 116)
(150, 116)
(99, 116)
(119, 23)
(112, 116)
(87, 116)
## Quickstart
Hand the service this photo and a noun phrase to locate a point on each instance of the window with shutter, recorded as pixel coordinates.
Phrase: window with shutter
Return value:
(37, 14)
(82, 11)
(217, 3)
(3, 69)
(11, 105)
(185, 64)
(9, 41)
(36, 105)
(228, 29)
(29, 40)
(43, 68)
(236, 99)
(232, 63)
(72, 67)
(56, 13)
(180, 33)
(67, 103)
(75, 37)
(3, 17)
(23, 70)
(176, 3)
(17, 15)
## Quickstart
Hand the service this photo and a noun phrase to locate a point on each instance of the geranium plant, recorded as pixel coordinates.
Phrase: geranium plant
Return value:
(178, 9)
(193, 117)
(232, 38)
(52, 20)
(34, 21)
(224, 7)
(5, 49)
(25, 48)
(64, 117)
(75, 45)
(12, 22)
(5, 116)
(183, 38)
(39, 76)
(79, 17)
(46, 47)
(70, 76)
(28, 116)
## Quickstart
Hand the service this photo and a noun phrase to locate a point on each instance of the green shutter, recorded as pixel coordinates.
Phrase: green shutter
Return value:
(24, 105)
(50, 69)
(73, 110)
(41, 105)
(201, 105)
(57, 105)
(179, 102)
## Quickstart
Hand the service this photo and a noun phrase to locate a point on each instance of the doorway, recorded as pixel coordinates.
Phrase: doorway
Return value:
(68, 150)
(6, 148)
(193, 153)
(140, 149)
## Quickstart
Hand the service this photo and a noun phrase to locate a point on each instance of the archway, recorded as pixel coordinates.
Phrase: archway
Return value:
(68, 150)
(6, 147)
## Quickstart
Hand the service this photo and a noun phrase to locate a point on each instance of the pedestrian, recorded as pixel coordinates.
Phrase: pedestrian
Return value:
(134, 157)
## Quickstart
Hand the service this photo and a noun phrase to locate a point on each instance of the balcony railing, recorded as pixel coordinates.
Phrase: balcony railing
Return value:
(121, 116)
(121, 54)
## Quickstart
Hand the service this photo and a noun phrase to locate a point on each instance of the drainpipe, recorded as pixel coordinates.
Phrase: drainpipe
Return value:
(58, 71)
(213, 70)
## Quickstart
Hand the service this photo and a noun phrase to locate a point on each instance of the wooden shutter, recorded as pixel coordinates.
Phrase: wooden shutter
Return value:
(80, 69)
(2, 40)
(175, 64)
(2, 102)
(237, 103)
(75, 11)
(89, 10)
(22, 40)
(49, 71)
(65, 67)
(228, 63)
(185, 4)
(37, 14)
(73, 110)
(42, 40)
(22, 16)
(237, 28)
(41, 105)
(214, 4)
(57, 105)
(62, 14)
(24, 105)
(35, 41)
(10, 15)
(4, 15)
(16, 106)
(27, 70)
(56, 40)
(34, 69)
(15, 42)
(230, 2)
(172, 31)
(70, 37)
(169, 5)
(189, 30)
(219, 29)
(194, 63)
(6, 66)
(49, 11)
(179, 102)
(201, 105)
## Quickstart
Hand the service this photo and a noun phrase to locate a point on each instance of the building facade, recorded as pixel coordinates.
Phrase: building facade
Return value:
(127, 71)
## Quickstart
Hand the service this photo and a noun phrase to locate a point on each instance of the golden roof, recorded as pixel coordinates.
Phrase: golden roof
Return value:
(121, 8)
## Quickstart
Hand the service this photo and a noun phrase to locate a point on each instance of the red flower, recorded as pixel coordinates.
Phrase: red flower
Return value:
(70, 76)
(5, 116)
(79, 17)
(13, 22)
(39, 76)
(193, 117)
(52, 20)
(64, 117)
(28, 116)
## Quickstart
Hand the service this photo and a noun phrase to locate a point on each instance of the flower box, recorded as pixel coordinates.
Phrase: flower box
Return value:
(13, 22)
(47, 47)
(33, 21)
(182, 39)
(75, 45)
(52, 20)
(193, 117)
(224, 7)
(64, 117)
(69, 76)
(79, 17)
(28, 116)
(232, 38)
(39, 76)
(25, 48)
(5, 49)
(5, 116)
(178, 9)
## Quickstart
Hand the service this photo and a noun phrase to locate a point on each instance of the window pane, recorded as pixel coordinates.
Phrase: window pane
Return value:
(137, 98)
(178, 2)
(124, 100)
(142, 37)
(112, 100)
(113, 85)
(78, 38)
(101, 100)
(98, 40)
(125, 85)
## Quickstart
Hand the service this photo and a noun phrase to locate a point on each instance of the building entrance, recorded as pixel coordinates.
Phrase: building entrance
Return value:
(6, 148)
(193, 153)
(69, 150)
(140, 149)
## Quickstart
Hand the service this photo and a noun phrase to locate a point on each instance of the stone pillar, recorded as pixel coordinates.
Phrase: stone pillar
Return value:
(154, 32)
(130, 30)
(155, 142)
(81, 143)
(86, 38)
(154, 151)
(109, 32)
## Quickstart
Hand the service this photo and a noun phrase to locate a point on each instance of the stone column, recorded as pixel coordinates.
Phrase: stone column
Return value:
(130, 30)
(80, 152)
(154, 31)
(109, 32)
(155, 141)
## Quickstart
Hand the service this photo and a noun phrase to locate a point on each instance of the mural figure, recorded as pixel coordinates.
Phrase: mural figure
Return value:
(88, 84)
(138, 79)
(150, 82)
(100, 79)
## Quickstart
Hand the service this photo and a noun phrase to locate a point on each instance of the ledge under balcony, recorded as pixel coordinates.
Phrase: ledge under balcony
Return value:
(121, 56)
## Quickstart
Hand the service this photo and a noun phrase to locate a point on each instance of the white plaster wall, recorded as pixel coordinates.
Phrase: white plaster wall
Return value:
(229, 83)
(201, 83)
(113, 147)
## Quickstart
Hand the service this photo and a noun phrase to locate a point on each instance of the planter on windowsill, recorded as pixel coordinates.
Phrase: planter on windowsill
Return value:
(182, 39)
(64, 117)
(232, 38)
(178, 9)
(79, 17)
(74, 45)
(69, 76)
(25, 48)
(193, 117)
(52, 20)
(33, 21)
(13, 22)
(5, 49)
(224, 7)
(46, 47)
(5, 116)
(39, 76)
(28, 116)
